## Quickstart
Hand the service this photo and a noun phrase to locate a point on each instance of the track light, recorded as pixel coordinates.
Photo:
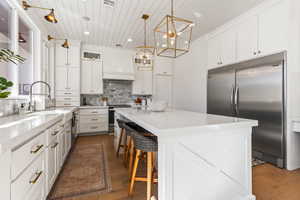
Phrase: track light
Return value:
(50, 17)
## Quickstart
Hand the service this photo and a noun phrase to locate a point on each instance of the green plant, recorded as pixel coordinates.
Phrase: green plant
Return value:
(7, 55)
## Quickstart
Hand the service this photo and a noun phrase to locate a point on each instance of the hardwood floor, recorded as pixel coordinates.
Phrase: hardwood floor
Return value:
(269, 182)
(118, 172)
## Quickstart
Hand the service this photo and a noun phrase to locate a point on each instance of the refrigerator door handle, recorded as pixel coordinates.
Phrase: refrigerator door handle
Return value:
(236, 100)
(232, 99)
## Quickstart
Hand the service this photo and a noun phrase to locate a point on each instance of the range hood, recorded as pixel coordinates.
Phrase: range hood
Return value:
(118, 76)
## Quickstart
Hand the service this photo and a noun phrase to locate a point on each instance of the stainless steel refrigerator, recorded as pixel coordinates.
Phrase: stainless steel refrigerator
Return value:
(254, 90)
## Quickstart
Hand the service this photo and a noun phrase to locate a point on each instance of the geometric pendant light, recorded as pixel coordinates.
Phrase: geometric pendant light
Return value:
(144, 54)
(50, 17)
(173, 35)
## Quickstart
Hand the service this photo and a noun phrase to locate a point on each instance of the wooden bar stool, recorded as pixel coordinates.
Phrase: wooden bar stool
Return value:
(148, 145)
(121, 124)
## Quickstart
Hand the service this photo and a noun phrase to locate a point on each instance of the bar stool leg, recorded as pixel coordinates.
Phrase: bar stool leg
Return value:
(120, 141)
(131, 152)
(126, 153)
(135, 165)
(149, 174)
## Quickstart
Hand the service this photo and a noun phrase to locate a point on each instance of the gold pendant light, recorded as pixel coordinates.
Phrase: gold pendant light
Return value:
(145, 53)
(64, 45)
(50, 17)
(173, 35)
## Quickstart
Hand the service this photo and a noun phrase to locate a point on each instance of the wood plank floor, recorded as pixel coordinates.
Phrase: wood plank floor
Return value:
(269, 183)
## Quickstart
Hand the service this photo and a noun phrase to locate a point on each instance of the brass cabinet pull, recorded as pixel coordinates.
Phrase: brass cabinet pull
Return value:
(55, 133)
(94, 127)
(37, 149)
(38, 175)
(94, 119)
(55, 145)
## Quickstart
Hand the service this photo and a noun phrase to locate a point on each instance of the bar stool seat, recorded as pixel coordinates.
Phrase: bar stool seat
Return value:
(143, 143)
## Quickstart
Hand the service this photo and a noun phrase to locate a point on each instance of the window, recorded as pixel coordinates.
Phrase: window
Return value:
(25, 40)
(5, 34)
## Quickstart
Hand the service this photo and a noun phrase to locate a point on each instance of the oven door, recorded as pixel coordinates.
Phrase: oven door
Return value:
(111, 118)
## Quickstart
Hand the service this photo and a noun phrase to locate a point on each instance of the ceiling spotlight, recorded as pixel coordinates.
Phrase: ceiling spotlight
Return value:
(129, 40)
(86, 32)
(50, 17)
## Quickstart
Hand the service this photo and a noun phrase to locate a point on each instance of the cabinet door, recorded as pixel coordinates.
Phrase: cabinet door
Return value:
(60, 151)
(228, 46)
(61, 78)
(163, 66)
(86, 76)
(247, 39)
(138, 83)
(68, 140)
(51, 164)
(73, 79)
(97, 78)
(61, 56)
(73, 54)
(147, 83)
(273, 27)
(163, 89)
(213, 52)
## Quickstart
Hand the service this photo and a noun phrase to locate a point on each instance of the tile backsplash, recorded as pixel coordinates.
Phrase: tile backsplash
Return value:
(10, 106)
(117, 92)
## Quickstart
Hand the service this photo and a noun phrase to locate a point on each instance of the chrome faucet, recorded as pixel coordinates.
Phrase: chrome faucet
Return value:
(31, 105)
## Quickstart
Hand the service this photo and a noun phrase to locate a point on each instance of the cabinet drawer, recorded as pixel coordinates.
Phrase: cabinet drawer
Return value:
(67, 103)
(65, 93)
(86, 119)
(296, 127)
(24, 155)
(66, 98)
(89, 128)
(53, 132)
(93, 111)
(32, 179)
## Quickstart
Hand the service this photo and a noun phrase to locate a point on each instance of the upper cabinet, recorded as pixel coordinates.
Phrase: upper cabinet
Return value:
(261, 34)
(222, 48)
(142, 85)
(273, 28)
(67, 57)
(91, 77)
(163, 66)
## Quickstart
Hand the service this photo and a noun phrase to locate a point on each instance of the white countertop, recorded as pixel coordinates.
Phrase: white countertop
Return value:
(15, 130)
(93, 107)
(161, 123)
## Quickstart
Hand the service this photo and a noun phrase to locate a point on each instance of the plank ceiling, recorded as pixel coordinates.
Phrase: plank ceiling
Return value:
(110, 26)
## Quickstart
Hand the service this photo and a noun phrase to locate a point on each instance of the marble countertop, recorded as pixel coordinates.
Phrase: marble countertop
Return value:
(17, 129)
(93, 107)
(161, 123)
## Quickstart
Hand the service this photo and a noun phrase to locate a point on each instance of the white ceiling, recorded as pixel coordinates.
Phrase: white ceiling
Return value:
(109, 26)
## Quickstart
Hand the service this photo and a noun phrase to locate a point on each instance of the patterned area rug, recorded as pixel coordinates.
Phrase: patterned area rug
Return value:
(85, 172)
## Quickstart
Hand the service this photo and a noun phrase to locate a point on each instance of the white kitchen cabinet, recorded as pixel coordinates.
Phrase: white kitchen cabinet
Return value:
(163, 66)
(93, 120)
(61, 149)
(67, 57)
(222, 48)
(247, 39)
(91, 77)
(67, 79)
(163, 89)
(142, 85)
(51, 159)
(273, 28)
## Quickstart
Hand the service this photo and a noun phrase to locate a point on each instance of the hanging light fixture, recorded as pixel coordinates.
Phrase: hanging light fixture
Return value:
(50, 17)
(173, 35)
(64, 45)
(145, 53)
(21, 38)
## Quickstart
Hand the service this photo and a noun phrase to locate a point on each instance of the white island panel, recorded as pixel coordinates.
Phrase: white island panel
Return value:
(200, 156)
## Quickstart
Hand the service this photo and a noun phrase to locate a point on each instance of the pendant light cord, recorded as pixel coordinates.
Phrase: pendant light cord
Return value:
(172, 8)
(145, 32)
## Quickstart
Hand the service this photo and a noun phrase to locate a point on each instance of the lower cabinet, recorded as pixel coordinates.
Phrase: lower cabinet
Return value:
(93, 120)
(34, 173)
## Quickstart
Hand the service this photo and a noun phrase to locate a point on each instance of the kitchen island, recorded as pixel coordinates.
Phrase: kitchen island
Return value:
(200, 156)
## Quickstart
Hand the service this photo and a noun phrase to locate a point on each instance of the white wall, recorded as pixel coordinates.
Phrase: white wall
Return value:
(190, 74)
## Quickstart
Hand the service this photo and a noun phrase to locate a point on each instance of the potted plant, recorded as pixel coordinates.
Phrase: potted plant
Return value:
(8, 56)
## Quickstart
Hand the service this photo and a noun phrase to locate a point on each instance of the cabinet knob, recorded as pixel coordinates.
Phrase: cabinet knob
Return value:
(254, 53)
(259, 52)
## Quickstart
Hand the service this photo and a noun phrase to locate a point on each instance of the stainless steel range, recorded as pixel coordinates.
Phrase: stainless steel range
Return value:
(111, 114)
